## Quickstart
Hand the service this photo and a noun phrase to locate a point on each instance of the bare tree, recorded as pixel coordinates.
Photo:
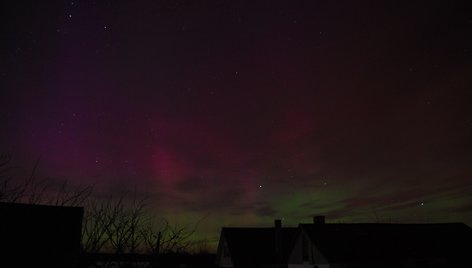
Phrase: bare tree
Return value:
(114, 225)
(171, 238)
(119, 224)
(124, 231)
(98, 218)
(5, 179)
(33, 190)
(151, 237)
(176, 238)
(124, 225)
(65, 196)
(18, 191)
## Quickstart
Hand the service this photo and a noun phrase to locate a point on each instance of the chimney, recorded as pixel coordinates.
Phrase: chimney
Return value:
(278, 223)
(278, 239)
(320, 220)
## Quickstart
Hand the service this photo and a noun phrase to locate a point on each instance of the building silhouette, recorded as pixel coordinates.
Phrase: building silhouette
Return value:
(327, 245)
(40, 236)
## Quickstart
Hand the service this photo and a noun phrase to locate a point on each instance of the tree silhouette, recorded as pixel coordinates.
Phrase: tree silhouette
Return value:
(121, 226)
(32, 190)
(116, 224)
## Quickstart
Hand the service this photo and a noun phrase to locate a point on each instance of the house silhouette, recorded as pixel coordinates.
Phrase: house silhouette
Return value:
(327, 245)
(255, 247)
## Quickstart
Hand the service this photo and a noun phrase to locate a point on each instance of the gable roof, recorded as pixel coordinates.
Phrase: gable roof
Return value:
(257, 245)
(351, 242)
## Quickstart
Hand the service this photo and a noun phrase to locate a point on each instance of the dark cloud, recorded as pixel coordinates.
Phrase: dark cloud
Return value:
(219, 200)
(192, 184)
(265, 211)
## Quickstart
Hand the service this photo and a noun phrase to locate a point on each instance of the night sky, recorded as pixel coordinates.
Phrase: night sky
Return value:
(240, 112)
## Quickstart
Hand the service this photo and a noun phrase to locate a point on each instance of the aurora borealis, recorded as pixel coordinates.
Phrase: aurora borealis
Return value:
(239, 112)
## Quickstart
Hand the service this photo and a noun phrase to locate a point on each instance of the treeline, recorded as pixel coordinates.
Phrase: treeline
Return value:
(121, 224)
